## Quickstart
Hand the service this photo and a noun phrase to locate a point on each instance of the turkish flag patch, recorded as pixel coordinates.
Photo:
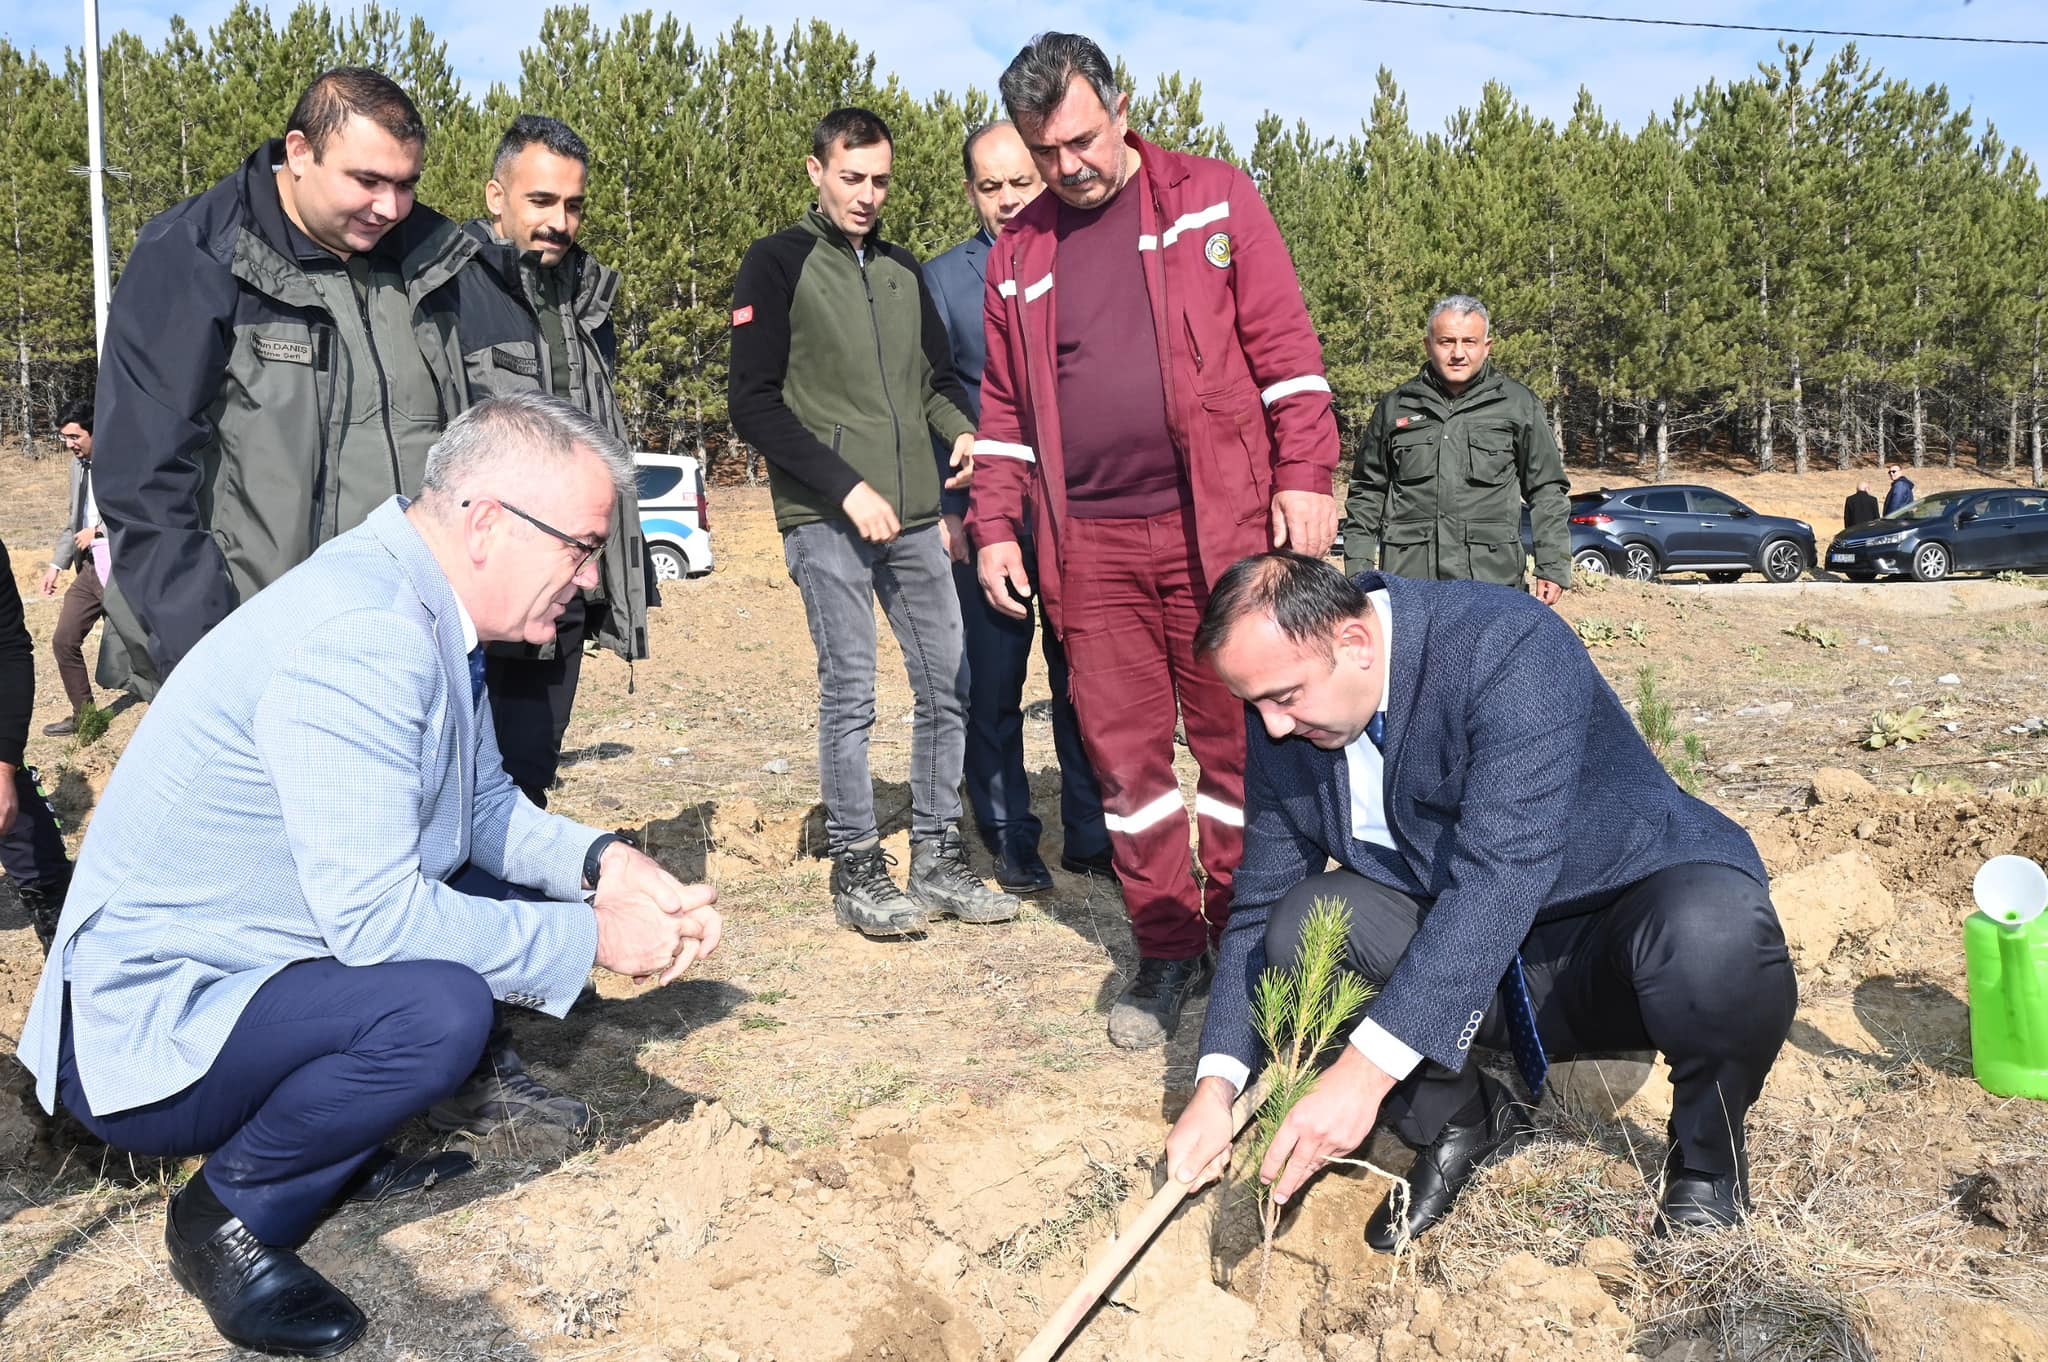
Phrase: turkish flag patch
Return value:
(742, 315)
(1397, 424)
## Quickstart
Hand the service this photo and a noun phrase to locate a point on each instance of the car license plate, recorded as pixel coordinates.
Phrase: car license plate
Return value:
(1841, 558)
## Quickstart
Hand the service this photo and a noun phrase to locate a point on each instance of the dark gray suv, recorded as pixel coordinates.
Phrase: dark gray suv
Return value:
(1680, 528)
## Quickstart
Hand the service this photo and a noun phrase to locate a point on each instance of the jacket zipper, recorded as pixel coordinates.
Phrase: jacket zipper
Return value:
(383, 389)
(882, 364)
(324, 340)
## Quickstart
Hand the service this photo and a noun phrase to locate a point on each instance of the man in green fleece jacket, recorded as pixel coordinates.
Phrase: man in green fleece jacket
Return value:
(840, 368)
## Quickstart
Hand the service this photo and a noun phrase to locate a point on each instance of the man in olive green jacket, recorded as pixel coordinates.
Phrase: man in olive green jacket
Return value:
(1449, 460)
(280, 354)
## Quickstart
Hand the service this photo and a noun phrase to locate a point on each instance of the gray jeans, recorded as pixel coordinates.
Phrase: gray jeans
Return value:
(840, 576)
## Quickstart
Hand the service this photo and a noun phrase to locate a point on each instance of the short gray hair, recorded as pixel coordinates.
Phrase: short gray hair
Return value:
(1458, 305)
(1037, 78)
(521, 439)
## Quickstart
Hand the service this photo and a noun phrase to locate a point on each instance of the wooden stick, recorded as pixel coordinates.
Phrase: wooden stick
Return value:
(1118, 1253)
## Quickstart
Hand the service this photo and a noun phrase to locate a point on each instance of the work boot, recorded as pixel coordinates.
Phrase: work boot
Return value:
(502, 1093)
(866, 899)
(1147, 1011)
(63, 728)
(43, 900)
(941, 881)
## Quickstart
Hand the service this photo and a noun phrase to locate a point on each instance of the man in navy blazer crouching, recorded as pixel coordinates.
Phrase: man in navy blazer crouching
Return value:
(1520, 871)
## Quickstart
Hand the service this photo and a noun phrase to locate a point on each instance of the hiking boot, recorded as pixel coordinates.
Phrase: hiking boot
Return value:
(44, 902)
(1147, 1011)
(502, 1093)
(941, 881)
(866, 899)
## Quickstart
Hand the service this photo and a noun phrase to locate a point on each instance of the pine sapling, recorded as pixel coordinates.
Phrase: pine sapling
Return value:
(1299, 1015)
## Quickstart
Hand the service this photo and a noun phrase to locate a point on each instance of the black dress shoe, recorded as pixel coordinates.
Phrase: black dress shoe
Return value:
(1095, 863)
(1700, 1201)
(388, 1174)
(1020, 870)
(262, 1298)
(1441, 1171)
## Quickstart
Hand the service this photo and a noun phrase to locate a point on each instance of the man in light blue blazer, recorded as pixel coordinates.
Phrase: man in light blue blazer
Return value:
(1001, 180)
(261, 958)
(1521, 875)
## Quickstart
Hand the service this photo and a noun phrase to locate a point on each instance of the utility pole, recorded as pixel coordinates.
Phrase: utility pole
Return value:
(96, 177)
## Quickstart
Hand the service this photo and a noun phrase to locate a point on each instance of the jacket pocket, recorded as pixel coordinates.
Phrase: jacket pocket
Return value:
(1413, 456)
(1492, 460)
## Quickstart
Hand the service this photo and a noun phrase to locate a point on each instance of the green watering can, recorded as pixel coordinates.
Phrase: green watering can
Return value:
(2005, 943)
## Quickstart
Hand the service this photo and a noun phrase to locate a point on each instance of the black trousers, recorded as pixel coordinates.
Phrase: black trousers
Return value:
(325, 1062)
(32, 848)
(994, 657)
(531, 699)
(1690, 961)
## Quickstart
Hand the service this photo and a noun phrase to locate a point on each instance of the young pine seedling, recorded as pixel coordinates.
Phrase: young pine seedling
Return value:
(1300, 1015)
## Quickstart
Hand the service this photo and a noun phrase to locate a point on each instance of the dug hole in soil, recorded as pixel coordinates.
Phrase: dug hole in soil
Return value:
(819, 1148)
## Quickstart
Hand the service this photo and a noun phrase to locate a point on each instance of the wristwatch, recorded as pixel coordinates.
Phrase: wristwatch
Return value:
(595, 855)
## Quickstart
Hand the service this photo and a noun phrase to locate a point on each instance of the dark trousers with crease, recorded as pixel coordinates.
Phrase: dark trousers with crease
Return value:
(1690, 961)
(531, 700)
(326, 1061)
(995, 656)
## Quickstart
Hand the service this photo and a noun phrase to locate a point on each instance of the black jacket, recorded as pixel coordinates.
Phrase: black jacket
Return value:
(505, 350)
(17, 667)
(1860, 509)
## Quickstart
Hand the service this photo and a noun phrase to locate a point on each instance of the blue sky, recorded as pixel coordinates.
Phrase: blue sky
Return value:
(1311, 59)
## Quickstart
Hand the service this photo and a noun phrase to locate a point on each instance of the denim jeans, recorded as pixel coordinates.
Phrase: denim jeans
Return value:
(841, 576)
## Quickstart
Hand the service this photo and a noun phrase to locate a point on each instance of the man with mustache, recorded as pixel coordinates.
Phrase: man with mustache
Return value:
(280, 354)
(1000, 181)
(1449, 460)
(536, 315)
(1153, 410)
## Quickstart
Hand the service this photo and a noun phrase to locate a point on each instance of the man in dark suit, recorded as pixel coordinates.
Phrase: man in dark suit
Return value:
(1520, 872)
(1861, 508)
(1000, 181)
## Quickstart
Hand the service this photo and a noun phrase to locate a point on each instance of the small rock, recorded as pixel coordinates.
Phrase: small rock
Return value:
(1732, 768)
(2036, 724)
(1948, 679)
(679, 751)
(1950, 728)
(1613, 1262)
(778, 767)
(1778, 709)
(1862, 642)
(664, 761)
(1866, 829)
(1880, 648)
(2019, 729)
(1768, 761)
(1900, 681)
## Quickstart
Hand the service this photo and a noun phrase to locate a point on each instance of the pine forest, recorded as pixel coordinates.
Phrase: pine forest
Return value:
(1820, 264)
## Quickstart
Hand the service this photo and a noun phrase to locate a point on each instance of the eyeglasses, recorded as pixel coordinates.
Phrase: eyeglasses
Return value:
(585, 550)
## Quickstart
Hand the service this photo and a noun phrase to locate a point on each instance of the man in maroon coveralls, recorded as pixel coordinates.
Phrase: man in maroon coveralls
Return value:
(1155, 396)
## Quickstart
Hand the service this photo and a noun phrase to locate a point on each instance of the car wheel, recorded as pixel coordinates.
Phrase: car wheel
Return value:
(668, 563)
(1784, 561)
(1724, 577)
(1930, 563)
(1639, 563)
(1592, 562)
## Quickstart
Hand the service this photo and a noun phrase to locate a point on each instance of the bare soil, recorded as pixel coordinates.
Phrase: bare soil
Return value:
(819, 1147)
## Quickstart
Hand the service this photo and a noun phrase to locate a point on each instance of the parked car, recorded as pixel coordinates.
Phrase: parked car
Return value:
(674, 515)
(1594, 550)
(1678, 528)
(1985, 529)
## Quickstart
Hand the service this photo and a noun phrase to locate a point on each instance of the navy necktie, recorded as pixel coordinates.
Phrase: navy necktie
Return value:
(1520, 1014)
(476, 676)
(1377, 731)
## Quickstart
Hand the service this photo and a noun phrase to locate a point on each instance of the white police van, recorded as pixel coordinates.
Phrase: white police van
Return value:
(674, 515)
